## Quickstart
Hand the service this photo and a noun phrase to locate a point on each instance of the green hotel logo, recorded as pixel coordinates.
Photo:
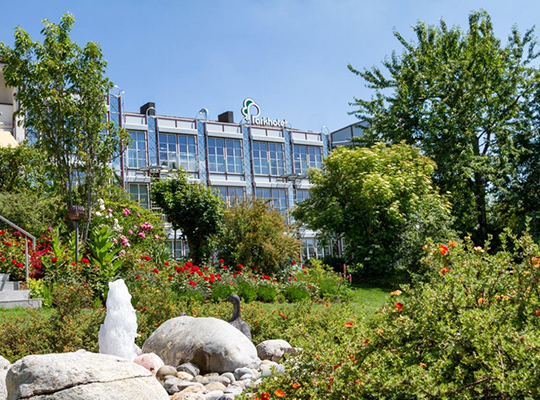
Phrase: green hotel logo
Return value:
(254, 119)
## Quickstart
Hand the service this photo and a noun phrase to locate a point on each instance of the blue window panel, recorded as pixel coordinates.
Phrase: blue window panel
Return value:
(167, 151)
(288, 152)
(152, 145)
(136, 152)
(277, 197)
(306, 157)
(202, 151)
(247, 161)
(139, 193)
(188, 152)
(231, 195)
(325, 145)
(216, 155)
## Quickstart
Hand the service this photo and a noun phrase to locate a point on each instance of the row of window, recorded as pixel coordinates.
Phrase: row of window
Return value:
(224, 155)
(231, 195)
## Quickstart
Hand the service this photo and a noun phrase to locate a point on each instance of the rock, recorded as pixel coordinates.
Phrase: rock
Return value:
(274, 350)
(247, 376)
(226, 397)
(184, 376)
(238, 372)
(235, 389)
(174, 385)
(150, 361)
(215, 386)
(4, 364)
(81, 376)
(164, 371)
(212, 344)
(213, 395)
(3, 389)
(191, 393)
(190, 368)
(230, 376)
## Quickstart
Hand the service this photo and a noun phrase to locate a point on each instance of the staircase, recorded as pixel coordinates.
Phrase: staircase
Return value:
(11, 296)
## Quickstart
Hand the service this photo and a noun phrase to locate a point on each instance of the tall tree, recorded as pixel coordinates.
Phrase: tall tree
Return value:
(193, 208)
(463, 98)
(382, 202)
(62, 91)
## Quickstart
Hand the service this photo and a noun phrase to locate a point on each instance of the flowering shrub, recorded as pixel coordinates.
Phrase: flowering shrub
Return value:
(472, 331)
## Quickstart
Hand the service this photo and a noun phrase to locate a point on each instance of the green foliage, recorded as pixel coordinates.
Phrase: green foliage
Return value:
(381, 200)
(325, 282)
(21, 169)
(193, 208)
(62, 92)
(246, 291)
(221, 291)
(267, 293)
(253, 234)
(296, 292)
(471, 104)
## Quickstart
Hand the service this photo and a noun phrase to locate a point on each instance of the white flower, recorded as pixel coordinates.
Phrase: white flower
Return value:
(98, 214)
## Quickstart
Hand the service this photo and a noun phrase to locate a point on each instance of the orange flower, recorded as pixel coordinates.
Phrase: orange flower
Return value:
(444, 270)
(396, 293)
(451, 243)
(349, 324)
(537, 312)
(327, 303)
(481, 300)
(279, 393)
(443, 249)
(295, 385)
(535, 262)
(265, 396)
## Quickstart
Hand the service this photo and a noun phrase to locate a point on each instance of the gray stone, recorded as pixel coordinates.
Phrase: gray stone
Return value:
(4, 363)
(213, 395)
(215, 386)
(190, 393)
(81, 376)
(190, 368)
(174, 385)
(164, 371)
(226, 397)
(247, 376)
(235, 389)
(274, 350)
(212, 344)
(230, 376)
(238, 372)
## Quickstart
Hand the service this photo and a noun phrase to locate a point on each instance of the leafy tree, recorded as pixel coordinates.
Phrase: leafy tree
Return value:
(62, 91)
(256, 235)
(21, 168)
(464, 98)
(193, 208)
(381, 201)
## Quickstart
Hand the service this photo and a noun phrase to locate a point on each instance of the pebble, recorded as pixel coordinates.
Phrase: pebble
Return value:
(215, 386)
(184, 376)
(230, 376)
(164, 371)
(190, 368)
(238, 372)
(213, 395)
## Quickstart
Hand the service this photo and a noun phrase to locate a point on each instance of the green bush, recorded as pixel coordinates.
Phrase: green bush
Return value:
(247, 291)
(295, 293)
(267, 293)
(221, 291)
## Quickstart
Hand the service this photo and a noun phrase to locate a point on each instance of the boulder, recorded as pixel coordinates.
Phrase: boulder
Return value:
(3, 390)
(274, 350)
(149, 361)
(81, 376)
(212, 344)
(4, 364)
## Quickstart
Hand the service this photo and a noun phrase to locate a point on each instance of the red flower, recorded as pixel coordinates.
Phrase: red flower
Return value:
(295, 385)
(166, 263)
(224, 267)
(206, 268)
(443, 249)
(255, 268)
(189, 264)
(170, 278)
(240, 266)
(73, 263)
(293, 263)
(265, 396)
(221, 261)
(85, 260)
(303, 267)
(192, 283)
(444, 270)
(279, 393)
(310, 287)
(54, 259)
(14, 261)
(399, 306)
(20, 265)
(137, 276)
(218, 277)
(537, 312)
(3, 259)
(147, 258)
(155, 271)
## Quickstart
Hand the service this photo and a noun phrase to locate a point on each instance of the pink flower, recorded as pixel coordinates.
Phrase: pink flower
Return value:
(142, 235)
(156, 237)
(130, 232)
(124, 241)
(126, 212)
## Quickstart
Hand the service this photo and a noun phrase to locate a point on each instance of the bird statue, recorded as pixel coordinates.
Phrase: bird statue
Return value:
(236, 319)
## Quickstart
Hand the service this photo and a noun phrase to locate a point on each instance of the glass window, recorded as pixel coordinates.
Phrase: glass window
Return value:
(231, 195)
(306, 157)
(225, 155)
(278, 197)
(308, 249)
(268, 158)
(188, 152)
(167, 151)
(137, 150)
(301, 195)
(139, 193)
(182, 249)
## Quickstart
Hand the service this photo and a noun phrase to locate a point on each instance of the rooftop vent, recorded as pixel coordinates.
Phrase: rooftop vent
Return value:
(227, 116)
(149, 107)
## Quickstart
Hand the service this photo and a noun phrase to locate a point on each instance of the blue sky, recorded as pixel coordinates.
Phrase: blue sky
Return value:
(290, 56)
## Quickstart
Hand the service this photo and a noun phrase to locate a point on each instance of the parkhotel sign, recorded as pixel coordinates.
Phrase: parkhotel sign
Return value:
(252, 113)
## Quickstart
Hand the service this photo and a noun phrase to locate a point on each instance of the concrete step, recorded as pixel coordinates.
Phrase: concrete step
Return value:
(32, 303)
(9, 286)
(4, 278)
(10, 295)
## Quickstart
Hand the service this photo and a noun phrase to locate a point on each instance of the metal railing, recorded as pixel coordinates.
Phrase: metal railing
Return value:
(27, 236)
